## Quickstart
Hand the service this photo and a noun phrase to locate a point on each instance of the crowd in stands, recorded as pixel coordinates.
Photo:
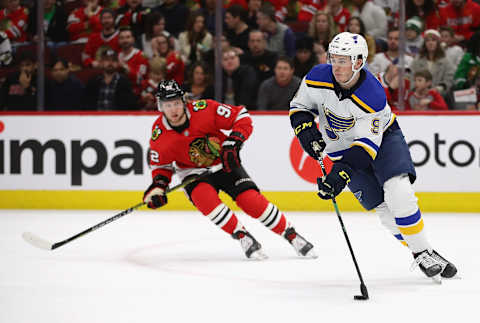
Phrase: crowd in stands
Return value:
(111, 54)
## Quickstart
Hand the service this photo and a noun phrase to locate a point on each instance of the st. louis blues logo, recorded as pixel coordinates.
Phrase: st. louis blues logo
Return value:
(337, 124)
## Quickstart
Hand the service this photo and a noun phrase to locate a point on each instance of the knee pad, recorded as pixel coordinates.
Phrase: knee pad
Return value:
(400, 196)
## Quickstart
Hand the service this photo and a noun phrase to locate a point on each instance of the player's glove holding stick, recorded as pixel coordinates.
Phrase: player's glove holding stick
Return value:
(333, 184)
(155, 196)
(230, 151)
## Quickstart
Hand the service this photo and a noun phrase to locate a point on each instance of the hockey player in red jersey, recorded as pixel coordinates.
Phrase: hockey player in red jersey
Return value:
(190, 136)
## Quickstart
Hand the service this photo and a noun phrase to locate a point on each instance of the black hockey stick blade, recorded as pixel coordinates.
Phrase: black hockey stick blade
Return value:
(36, 241)
(364, 296)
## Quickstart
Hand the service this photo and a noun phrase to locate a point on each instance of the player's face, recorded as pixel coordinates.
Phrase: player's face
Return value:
(174, 111)
(341, 67)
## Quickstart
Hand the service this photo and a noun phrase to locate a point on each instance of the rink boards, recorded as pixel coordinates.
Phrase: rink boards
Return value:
(85, 161)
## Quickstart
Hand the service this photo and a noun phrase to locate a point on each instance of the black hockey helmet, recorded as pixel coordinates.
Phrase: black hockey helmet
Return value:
(168, 90)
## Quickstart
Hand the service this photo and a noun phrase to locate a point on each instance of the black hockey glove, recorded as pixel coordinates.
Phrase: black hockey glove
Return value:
(309, 137)
(335, 181)
(230, 151)
(155, 196)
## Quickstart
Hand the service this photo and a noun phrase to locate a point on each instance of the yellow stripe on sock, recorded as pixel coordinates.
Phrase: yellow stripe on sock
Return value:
(413, 229)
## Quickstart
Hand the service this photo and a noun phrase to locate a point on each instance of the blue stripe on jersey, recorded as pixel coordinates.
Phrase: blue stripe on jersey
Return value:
(337, 154)
(368, 142)
(321, 73)
(370, 96)
(409, 220)
(398, 236)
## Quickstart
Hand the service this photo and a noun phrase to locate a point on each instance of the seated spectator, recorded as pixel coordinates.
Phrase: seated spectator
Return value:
(132, 14)
(382, 60)
(305, 58)
(19, 91)
(155, 26)
(6, 57)
(157, 73)
(280, 37)
(253, 7)
(463, 16)
(322, 28)
(464, 77)
(238, 30)
(196, 40)
(109, 90)
(453, 52)
(276, 92)
(199, 83)
(239, 81)
(14, 21)
(54, 22)
(131, 60)
(308, 8)
(280, 7)
(209, 56)
(340, 14)
(391, 85)
(320, 53)
(175, 66)
(258, 56)
(208, 9)
(432, 58)
(99, 42)
(373, 16)
(413, 35)
(426, 10)
(423, 96)
(355, 25)
(84, 21)
(176, 14)
(63, 91)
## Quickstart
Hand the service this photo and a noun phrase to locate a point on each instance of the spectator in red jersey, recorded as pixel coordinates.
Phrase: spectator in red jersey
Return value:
(432, 58)
(322, 28)
(14, 20)
(132, 14)
(308, 8)
(340, 14)
(423, 96)
(426, 10)
(54, 22)
(99, 42)
(131, 60)
(463, 16)
(157, 73)
(390, 82)
(175, 66)
(196, 40)
(84, 21)
(355, 25)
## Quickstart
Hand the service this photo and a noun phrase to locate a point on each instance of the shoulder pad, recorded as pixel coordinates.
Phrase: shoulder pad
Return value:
(320, 76)
(370, 97)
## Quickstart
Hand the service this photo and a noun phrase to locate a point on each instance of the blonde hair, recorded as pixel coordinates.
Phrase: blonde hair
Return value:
(332, 27)
(158, 65)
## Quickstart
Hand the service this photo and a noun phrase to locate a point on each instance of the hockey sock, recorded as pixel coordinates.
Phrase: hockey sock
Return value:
(257, 206)
(206, 200)
(387, 219)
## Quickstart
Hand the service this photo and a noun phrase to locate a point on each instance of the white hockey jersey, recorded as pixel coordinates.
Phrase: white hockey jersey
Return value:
(357, 120)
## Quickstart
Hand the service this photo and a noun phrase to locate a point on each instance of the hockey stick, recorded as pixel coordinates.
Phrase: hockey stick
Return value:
(363, 288)
(46, 245)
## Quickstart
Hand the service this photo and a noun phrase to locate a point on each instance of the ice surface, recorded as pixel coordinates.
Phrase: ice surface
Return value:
(178, 267)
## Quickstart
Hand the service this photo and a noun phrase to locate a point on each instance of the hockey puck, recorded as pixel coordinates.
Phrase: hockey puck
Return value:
(360, 298)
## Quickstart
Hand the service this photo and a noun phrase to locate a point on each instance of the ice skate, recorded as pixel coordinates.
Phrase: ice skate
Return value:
(448, 269)
(251, 247)
(430, 266)
(302, 247)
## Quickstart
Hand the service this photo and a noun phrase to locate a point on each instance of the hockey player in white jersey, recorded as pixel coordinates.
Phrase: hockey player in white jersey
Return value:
(360, 134)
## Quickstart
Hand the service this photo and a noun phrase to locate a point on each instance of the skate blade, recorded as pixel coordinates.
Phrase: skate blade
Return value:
(437, 279)
(310, 255)
(258, 255)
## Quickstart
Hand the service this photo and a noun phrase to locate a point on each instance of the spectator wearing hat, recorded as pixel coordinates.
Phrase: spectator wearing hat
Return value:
(258, 56)
(426, 10)
(432, 58)
(276, 92)
(305, 58)
(63, 90)
(469, 66)
(19, 91)
(280, 37)
(109, 90)
(413, 35)
(99, 42)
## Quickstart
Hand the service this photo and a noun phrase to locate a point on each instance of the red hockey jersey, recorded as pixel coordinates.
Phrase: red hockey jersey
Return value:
(308, 8)
(463, 21)
(137, 67)
(14, 24)
(79, 25)
(97, 42)
(199, 145)
(175, 67)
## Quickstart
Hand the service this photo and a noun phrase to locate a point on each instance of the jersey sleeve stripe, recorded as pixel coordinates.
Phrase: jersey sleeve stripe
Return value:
(295, 110)
(242, 114)
(362, 105)
(336, 155)
(392, 120)
(318, 84)
(368, 147)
